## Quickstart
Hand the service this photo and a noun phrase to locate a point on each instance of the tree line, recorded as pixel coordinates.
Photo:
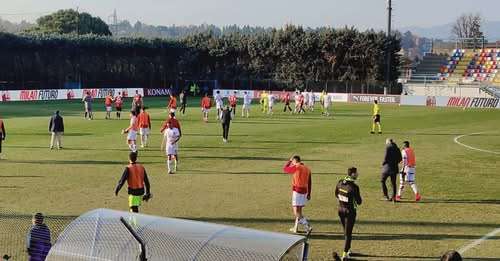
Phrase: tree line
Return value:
(71, 47)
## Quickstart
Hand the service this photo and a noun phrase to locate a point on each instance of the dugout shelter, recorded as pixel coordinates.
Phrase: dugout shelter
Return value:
(105, 235)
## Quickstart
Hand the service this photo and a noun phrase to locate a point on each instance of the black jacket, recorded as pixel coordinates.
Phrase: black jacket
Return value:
(3, 134)
(56, 123)
(347, 193)
(226, 116)
(392, 158)
(184, 97)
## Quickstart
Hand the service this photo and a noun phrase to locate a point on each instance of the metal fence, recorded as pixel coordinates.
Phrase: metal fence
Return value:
(14, 228)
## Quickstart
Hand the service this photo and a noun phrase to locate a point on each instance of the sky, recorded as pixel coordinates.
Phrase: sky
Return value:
(362, 14)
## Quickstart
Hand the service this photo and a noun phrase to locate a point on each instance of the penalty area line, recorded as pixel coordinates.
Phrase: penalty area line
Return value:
(470, 147)
(477, 242)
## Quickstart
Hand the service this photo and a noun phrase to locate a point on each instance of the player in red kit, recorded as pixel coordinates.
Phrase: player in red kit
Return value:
(108, 103)
(144, 126)
(118, 105)
(301, 190)
(301, 103)
(137, 103)
(233, 100)
(286, 100)
(172, 104)
(206, 104)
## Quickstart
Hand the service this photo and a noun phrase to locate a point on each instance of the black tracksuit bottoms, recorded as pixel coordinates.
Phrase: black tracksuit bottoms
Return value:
(348, 219)
(225, 131)
(393, 176)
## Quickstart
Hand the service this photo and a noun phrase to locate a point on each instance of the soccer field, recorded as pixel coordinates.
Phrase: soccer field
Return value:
(241, 183)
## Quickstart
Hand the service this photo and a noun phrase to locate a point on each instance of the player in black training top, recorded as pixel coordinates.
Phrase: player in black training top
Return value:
(347, 193)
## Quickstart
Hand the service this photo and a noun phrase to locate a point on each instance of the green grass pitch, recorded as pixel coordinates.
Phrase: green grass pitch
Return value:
(240, 183)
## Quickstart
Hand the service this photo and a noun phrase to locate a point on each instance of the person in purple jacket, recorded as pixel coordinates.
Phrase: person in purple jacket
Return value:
(38, 239)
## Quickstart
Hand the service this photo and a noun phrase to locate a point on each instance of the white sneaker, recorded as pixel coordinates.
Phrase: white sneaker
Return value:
(345, 256)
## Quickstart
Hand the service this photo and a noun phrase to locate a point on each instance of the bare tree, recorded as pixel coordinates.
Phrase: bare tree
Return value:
(468, 26)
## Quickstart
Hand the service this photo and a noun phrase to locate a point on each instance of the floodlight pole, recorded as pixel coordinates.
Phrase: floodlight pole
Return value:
(139, 240)
(388, 47)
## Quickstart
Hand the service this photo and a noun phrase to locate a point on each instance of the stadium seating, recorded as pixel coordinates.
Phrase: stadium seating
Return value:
(472, 66)
(428, 68)
(448, 69)
(496, 80)
(483, 66)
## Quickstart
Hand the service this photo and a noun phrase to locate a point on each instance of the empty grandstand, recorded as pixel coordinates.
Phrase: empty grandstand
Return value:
(465, 72)
(428, 69)
(448, 69)
(483, 66)
(471, 66)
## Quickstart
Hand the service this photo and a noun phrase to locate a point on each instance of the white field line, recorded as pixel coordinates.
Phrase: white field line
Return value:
(478, 241)
(470, 147)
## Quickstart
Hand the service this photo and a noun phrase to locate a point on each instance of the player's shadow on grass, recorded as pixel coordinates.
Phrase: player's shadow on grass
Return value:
(302, 142)
(458, 201)
(436, 134)
(249, 158)
(215, 172)
(225, 147)
(335, 222)
(69, 134)
(29, 113)
(293, 118)
(10, 187)
(212, 135)
(357, 256)
(21, 176)
(390, 237)
(77, 162)
(66, 148)
(422, 133)
(261, 122)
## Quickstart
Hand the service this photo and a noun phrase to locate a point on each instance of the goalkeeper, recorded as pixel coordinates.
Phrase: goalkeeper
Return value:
(137, 180)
